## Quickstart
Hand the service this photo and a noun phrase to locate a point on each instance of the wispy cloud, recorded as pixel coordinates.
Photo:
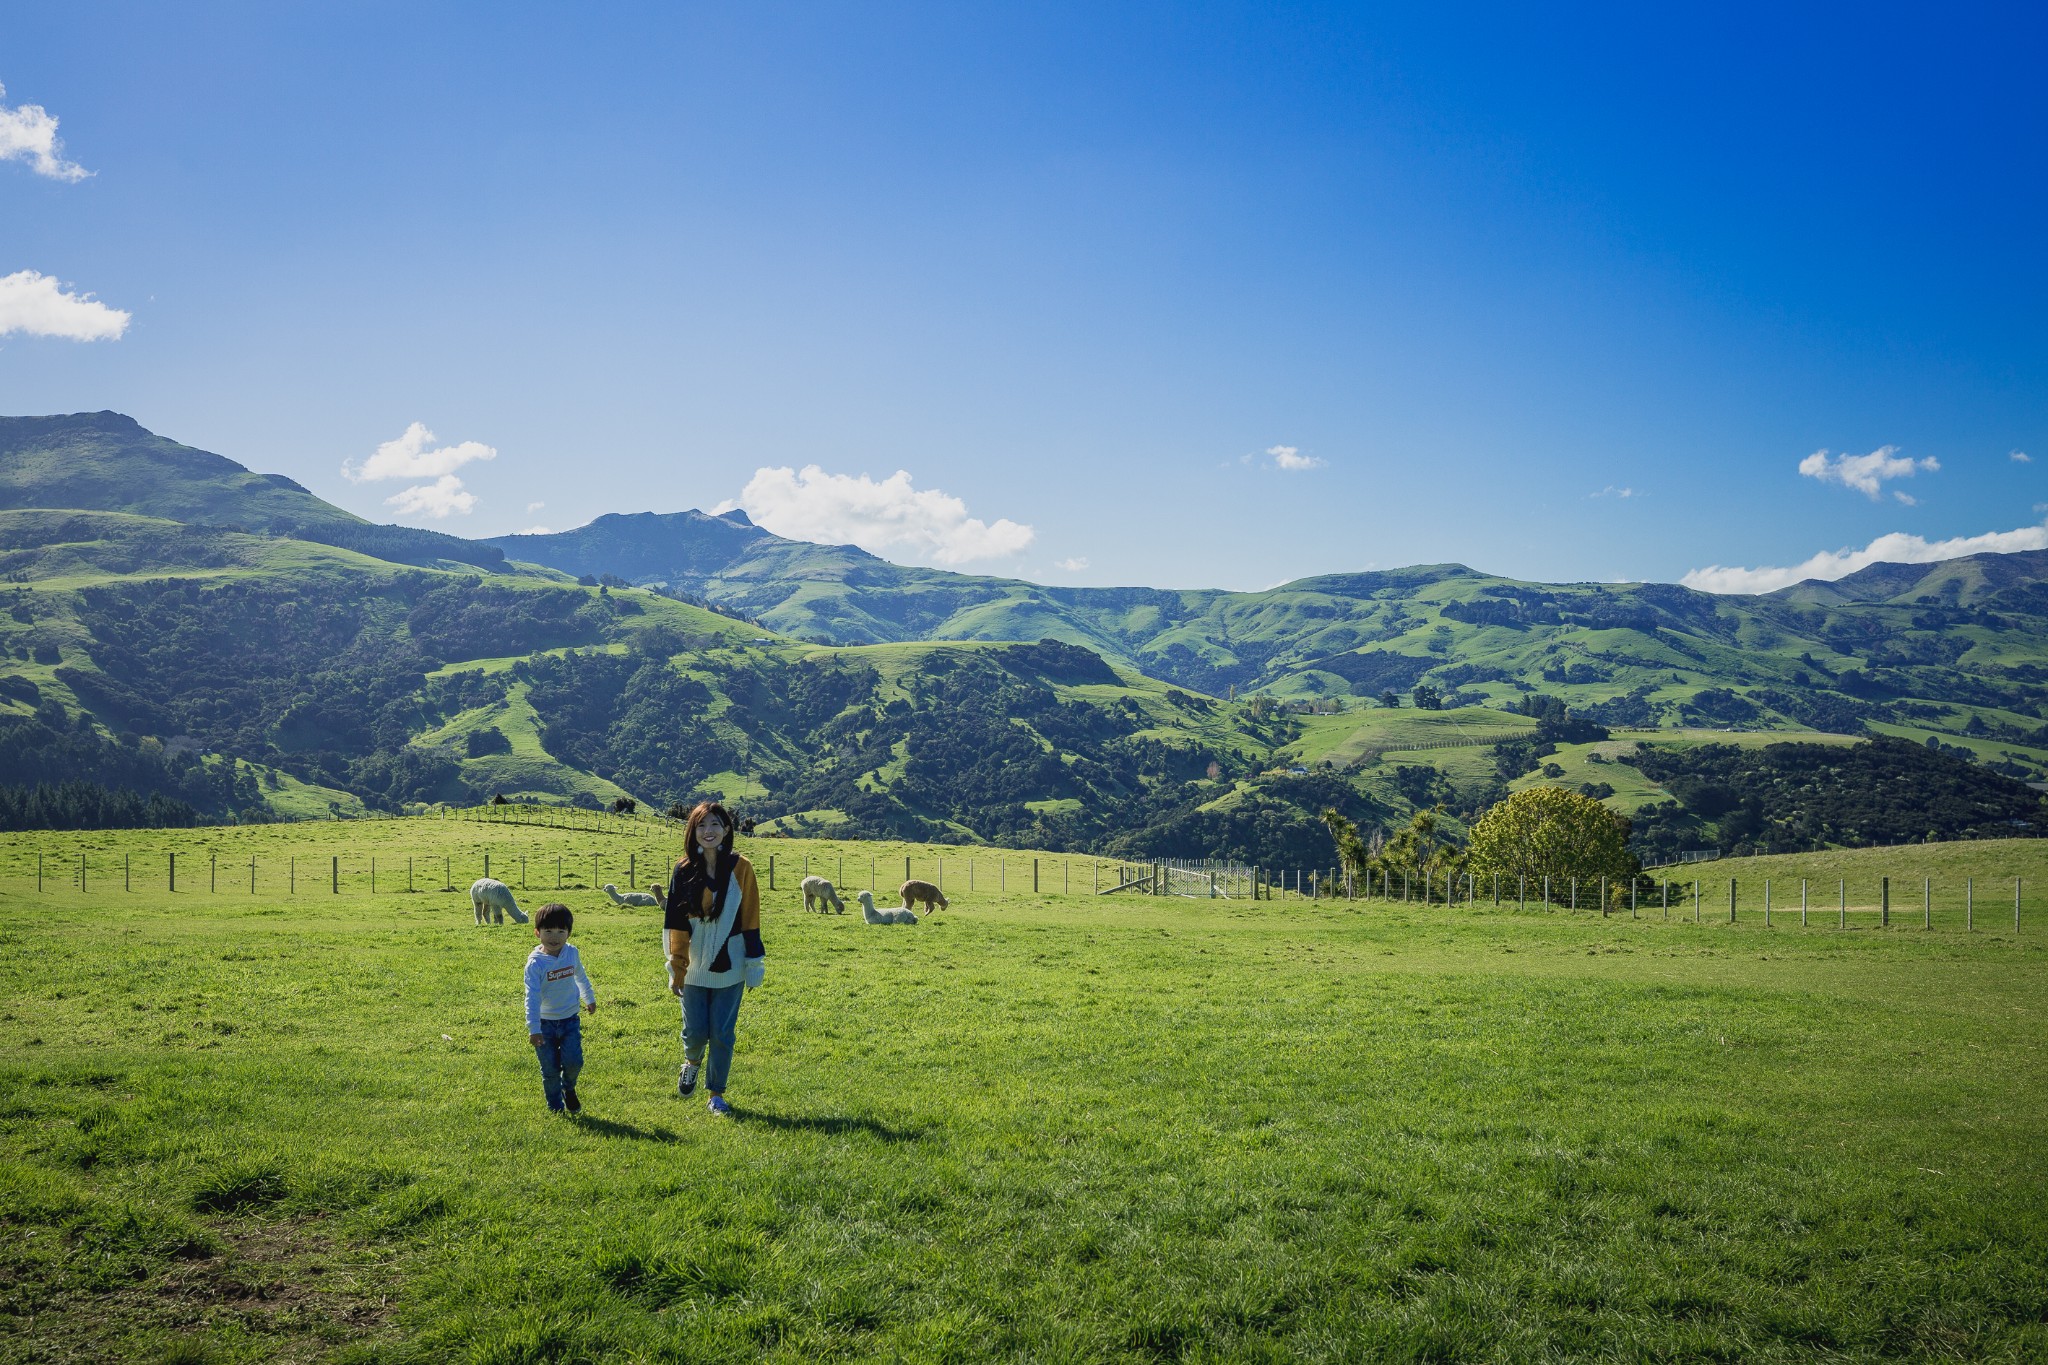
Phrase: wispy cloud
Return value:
(1291, 459)
(1611, 491)
(1074, 565)
(533, 507)
(2020, 457)
(535, 530)
(440, 498)
(28, 132)
(1864, 473)
(886, 516)
(38, 305)
(1895, 548)
(413, 455)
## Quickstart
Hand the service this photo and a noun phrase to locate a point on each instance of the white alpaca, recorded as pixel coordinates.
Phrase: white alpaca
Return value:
(490, 897)
(632, 897)
(819, 893)
(874, 916)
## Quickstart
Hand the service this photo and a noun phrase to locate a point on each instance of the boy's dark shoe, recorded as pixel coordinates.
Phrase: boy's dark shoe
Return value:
(686, 1080)
(555, 1108)
(571, 1103)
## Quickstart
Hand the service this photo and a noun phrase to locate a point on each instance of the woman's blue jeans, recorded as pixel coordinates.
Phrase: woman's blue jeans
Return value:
(711, 1016)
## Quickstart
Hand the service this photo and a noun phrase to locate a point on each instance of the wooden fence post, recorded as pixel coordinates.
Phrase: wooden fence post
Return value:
(1969, 905)
(174, 872)
(335, 887)
(1884, 912)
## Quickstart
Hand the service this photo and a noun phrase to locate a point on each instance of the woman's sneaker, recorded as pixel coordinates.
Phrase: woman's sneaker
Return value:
(686, 1081)
(719, 1107)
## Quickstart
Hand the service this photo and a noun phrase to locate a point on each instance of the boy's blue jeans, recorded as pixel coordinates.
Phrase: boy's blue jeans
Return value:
(561, 1056)
(711, 1017)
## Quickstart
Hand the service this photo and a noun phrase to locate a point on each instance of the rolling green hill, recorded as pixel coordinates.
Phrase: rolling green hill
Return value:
(191, 612)
(105, 462)
(1957, 649)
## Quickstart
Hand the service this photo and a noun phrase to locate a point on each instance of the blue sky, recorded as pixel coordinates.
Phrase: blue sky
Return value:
(1189, 295)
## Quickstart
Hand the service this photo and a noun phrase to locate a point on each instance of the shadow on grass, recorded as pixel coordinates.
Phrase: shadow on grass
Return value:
(614, 1129)
(804, 1123)
(831, 1126)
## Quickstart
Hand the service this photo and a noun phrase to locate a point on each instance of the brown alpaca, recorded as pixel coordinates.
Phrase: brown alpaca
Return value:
(915, 893)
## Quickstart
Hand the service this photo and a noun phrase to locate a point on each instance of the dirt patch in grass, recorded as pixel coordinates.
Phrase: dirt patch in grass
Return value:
(277, 1290)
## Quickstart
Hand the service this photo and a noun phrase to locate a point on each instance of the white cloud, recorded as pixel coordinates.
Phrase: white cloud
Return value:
(28, 133)
(535, 530)
(1074, 565)
(409, 457)
(37, 305)
(533, 507)
(1907, 498)
(1291, 459)
(1895, 548)
(1864, 473)
(1612, 492)
(437, 499)
(882, 517)
(2021, 457)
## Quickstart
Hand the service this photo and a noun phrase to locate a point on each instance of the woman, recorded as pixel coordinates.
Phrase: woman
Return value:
(712, 926)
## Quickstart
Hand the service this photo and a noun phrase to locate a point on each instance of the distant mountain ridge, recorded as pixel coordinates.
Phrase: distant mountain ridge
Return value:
(190, 606)
(1957, 649)
(108, 462)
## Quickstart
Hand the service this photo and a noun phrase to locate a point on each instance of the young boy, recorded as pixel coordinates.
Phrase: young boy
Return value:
(554, 978)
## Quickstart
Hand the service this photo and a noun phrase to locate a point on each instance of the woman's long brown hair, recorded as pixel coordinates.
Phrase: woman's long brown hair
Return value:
(696, 876)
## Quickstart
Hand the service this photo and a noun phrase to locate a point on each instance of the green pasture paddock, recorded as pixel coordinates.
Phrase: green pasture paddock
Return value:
(1040, 1126)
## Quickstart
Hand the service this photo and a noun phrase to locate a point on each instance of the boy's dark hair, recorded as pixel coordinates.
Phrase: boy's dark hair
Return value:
(554, 915)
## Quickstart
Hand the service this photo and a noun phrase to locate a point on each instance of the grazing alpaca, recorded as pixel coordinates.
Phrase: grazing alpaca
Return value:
(874, 916)
(922, 893)
(632, 897)
(490, 898)
(820, 893)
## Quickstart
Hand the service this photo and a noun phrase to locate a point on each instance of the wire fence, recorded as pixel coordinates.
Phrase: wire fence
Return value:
(523, 847)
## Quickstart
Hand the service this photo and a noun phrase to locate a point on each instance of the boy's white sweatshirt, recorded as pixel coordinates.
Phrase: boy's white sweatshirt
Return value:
(552, 985)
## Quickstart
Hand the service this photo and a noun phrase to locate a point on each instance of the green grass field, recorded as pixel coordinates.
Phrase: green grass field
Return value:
(1040, 1126)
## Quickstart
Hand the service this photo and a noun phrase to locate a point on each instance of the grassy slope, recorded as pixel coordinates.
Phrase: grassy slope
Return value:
(1118, 1130)
(106, 462)
(1272, 640)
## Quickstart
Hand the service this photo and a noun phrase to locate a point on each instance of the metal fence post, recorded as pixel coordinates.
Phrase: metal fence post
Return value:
(1884, 905)
(335, 888)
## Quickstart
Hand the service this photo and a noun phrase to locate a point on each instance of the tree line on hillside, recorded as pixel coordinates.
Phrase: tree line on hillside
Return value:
(1795, 797)
(64, 776)
(329, 686)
